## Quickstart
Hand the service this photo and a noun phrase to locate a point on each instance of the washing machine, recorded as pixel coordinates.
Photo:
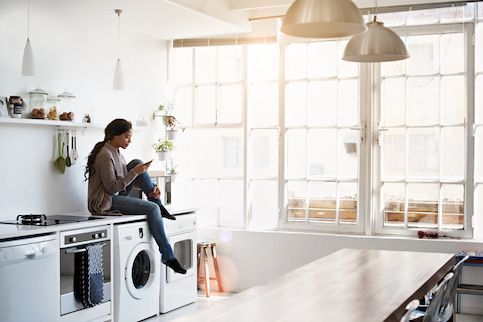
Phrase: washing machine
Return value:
(136, 272)
(176, 289)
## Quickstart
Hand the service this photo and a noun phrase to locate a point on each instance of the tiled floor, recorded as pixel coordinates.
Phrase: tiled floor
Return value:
(204, 302)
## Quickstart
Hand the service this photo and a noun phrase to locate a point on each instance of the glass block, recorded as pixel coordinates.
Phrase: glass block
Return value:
(263, 151)
(348, 200)
(322, 201)
(262, 62)
(393, 101)
(393, 201)
(296, 61)
(322, 103)
(183, 105)
(205, 65)
(422, 17)
(322, 59)
(263, 105)
(206, 200)
(479, 44)
(393, 158)
(391, 19)
(345, 69)
(453, 100)
(205, 108)
(264, 204)
(453, 153)
(219, 152)
(296, 154)
(348, 154)
(423, 200)
(452, 53)
(296, 200)
(479, 155)
(423, 153)
(424, 58)
(457, 13)
(181, 66)
(479, 99)
(478, 202)
(422, 100)
(231, 104)
(322, 153)
(296, 104)
(453, 199)
(230, 63)
(231, 203)
(348, 99)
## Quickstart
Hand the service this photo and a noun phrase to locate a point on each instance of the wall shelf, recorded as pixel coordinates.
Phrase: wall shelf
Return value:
(24, 121)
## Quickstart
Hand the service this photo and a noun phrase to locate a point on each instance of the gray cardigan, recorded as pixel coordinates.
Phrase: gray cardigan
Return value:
(109, 178)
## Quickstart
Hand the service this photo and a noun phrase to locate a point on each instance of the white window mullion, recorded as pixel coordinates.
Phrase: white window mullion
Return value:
(282, 196)
(247, 202)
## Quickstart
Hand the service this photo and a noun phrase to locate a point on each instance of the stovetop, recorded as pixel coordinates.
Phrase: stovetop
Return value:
(43, 220)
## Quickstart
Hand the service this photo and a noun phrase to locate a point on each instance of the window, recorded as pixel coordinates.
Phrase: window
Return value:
(291, 136)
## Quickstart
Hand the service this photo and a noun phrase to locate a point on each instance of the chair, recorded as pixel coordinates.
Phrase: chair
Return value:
(447, 304)
(413, 305)
(432, 311)
(203, 252)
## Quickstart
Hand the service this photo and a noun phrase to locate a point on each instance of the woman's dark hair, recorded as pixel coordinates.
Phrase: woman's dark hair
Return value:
(116, 127)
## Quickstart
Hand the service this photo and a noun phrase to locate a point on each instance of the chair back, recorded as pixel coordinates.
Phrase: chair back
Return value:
(432, 312)
(413, 305)
(446, 304)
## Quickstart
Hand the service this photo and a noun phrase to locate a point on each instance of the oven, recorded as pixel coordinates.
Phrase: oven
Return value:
(74, 242)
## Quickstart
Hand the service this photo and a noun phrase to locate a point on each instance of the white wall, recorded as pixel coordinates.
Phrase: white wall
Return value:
(252, 258)
(77, 53)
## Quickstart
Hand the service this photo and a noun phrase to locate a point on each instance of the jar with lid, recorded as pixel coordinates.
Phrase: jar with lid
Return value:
(38, 101)
(67, 104)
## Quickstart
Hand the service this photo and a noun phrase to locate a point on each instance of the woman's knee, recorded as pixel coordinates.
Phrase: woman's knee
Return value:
(133, 163)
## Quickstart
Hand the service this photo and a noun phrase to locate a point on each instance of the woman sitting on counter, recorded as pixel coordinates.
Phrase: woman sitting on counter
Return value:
(111, 180)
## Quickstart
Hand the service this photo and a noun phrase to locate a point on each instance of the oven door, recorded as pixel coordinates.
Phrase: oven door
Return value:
(184, 247)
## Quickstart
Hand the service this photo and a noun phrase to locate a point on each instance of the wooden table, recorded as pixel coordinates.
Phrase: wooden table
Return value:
(348, 285)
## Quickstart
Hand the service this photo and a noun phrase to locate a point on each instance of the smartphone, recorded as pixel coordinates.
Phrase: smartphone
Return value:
(148, 163)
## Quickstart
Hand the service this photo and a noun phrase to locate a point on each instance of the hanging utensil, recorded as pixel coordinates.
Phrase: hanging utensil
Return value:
(75, 155)
(67, 159)
(60, 160)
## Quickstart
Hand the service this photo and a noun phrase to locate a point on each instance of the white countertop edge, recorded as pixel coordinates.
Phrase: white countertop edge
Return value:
(8, 231)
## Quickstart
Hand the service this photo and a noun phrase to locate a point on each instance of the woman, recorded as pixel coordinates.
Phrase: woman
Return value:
(111, 180)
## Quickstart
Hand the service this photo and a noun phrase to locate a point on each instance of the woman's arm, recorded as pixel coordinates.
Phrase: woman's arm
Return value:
(105, 166)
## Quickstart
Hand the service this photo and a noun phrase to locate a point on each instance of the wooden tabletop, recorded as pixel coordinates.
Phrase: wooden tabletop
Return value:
(345, 286)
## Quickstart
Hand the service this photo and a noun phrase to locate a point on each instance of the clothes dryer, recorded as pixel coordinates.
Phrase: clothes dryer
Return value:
(179, 289)
(136, 272)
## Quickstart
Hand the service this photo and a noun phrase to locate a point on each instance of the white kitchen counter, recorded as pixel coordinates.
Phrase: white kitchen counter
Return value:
(12, 231)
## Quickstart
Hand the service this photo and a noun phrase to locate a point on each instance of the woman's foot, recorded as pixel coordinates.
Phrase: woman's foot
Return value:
(167, 215)
(175, 265)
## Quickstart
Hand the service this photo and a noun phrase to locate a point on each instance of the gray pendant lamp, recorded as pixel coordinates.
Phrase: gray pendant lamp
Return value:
(118, 82)
(376, 44)
(322, 19)
(28, 62)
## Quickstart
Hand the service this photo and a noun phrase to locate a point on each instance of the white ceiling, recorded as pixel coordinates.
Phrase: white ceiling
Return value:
(171, 19)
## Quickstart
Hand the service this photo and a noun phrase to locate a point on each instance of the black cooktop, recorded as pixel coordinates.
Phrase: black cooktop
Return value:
(43, 220)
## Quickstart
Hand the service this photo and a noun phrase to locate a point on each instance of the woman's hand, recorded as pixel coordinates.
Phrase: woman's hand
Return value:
(155, 194)
(143, 167)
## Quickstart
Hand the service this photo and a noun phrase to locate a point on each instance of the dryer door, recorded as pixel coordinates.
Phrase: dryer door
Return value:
(141, 266)
(184, 247)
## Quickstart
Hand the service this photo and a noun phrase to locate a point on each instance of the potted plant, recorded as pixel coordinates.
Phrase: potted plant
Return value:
(163, 148)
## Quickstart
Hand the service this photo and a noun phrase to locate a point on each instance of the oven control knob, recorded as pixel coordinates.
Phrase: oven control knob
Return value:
(102, 235)
(72, 239)
(95, 236)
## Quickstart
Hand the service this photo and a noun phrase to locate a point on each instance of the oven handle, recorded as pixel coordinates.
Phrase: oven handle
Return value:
(75, 250)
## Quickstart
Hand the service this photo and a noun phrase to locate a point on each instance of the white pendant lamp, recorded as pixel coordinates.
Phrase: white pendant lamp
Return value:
(28, 62)
(322, 19)
(376, 44)
(118, 82)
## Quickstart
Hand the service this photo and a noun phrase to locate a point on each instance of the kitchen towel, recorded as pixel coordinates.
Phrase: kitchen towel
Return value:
(96, 273)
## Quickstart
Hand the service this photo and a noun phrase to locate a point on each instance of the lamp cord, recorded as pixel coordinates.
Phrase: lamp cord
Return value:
(28, 19)
(118, 35)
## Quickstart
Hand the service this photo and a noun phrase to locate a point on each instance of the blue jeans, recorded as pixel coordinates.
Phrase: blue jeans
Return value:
(152, 208)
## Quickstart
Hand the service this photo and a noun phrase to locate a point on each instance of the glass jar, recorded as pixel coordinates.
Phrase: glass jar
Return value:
(38, 100)
(67, 104)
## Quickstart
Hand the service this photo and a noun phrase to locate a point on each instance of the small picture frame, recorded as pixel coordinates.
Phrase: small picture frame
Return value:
(4, 107)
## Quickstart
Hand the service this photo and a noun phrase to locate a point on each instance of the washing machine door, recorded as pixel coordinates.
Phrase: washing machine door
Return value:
(140, 270)
(184, 248)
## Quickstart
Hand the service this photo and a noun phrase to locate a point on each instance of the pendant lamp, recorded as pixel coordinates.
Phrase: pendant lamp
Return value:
(118, 82)
(322, 19)
(376, 44)
(28, 62)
